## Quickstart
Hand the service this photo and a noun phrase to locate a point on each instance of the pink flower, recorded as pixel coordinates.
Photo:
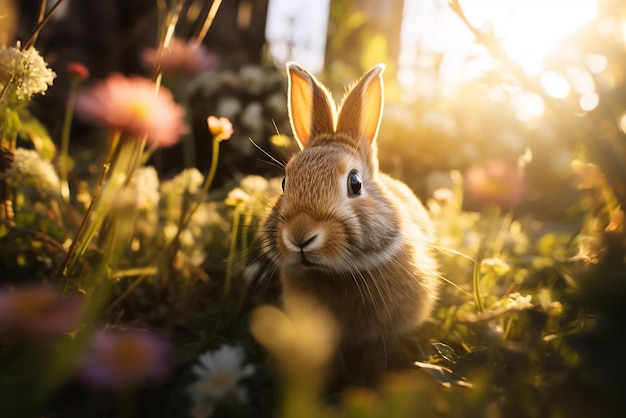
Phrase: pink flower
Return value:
(496, 182)
(117, 359)
(38, 312)
(185, 58)
(78, 70)
(132, 105)
(220, 127)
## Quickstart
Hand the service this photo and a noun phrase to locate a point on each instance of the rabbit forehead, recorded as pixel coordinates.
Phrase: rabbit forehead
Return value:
(315, 175)
(314, 164)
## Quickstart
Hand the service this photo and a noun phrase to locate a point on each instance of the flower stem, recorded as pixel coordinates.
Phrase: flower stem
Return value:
(66, 267)
(231, 250)
(476, 277)
(205, 188)
(65, 139)
(40, 25)
(207, 22)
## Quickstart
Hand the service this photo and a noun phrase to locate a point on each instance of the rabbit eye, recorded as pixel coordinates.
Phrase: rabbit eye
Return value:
(354, 184)
(283, 184)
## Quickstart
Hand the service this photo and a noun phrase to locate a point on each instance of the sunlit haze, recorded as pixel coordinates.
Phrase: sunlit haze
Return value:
(528, 32)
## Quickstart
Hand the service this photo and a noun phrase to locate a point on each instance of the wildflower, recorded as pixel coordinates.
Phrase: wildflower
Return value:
(219, 374)
(185, 58)
(515, 301)
(134, 106)
(38, 312)
(281, 141)
(497, 182)
(187, 181)
(220, 128)
(236, 197)
(118, 359)
(136, 201)
(77, 70)
(145, 184)
(28, 71)
(29, 169)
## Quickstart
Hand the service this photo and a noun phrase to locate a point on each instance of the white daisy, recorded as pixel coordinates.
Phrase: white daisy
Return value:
(219, 374)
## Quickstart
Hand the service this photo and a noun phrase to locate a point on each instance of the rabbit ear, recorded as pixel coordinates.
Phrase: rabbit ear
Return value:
(312, 111)
(361, 110)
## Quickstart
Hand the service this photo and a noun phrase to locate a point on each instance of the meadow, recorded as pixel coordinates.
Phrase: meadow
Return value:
(134, 288)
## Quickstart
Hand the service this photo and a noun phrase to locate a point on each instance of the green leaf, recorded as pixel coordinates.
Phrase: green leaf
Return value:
(13, 123)
(32, 130)
(446, 352)
(472, 362)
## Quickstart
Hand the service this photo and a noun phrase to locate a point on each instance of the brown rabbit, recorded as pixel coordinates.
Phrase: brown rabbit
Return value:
(346, 237)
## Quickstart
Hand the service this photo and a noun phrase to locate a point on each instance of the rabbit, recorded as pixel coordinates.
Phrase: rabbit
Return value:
(345, 237)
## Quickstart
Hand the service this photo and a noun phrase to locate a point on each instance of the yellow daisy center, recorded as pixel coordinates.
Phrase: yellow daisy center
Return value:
(139, 109)
(221, 380)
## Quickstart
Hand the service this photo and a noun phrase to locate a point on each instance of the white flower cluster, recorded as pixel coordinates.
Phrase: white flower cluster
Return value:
(253, 98)
(200, 232)
(29, 170)
(144, 188)
(260, 189)
(218, 376)
(25, 72)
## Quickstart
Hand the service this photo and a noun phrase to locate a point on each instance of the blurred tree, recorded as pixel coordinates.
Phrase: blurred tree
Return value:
(238, 32)
(360, 34)
(109, 36)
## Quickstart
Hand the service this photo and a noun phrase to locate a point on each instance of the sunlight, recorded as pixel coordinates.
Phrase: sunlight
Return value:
(555, 84)
(436, 43)
(529, 30)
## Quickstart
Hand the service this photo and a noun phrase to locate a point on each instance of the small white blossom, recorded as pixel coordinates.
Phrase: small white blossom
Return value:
(517, 301)
(28, 70)
(189, 180)
(254, 184)
(219, 374)
(29, 168)
(145, 182)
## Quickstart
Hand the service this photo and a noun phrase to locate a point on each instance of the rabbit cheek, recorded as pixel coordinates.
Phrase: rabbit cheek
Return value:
(378, 230)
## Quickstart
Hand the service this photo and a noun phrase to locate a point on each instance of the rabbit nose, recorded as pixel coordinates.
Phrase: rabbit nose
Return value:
(301, 242)
(308, 242)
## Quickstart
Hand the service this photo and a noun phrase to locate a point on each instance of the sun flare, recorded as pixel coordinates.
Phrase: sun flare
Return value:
(529, 30)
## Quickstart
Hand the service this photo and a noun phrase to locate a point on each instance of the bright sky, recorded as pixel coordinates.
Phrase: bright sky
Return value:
(528, 29)
(296, 30)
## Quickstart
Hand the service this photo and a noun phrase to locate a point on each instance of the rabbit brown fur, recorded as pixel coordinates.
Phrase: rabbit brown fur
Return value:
(347, 238)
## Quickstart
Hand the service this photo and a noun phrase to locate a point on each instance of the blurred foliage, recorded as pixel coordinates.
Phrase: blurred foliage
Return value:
(361, 34)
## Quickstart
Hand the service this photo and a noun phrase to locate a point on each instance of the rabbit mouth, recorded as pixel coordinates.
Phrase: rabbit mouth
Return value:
(304, 261)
